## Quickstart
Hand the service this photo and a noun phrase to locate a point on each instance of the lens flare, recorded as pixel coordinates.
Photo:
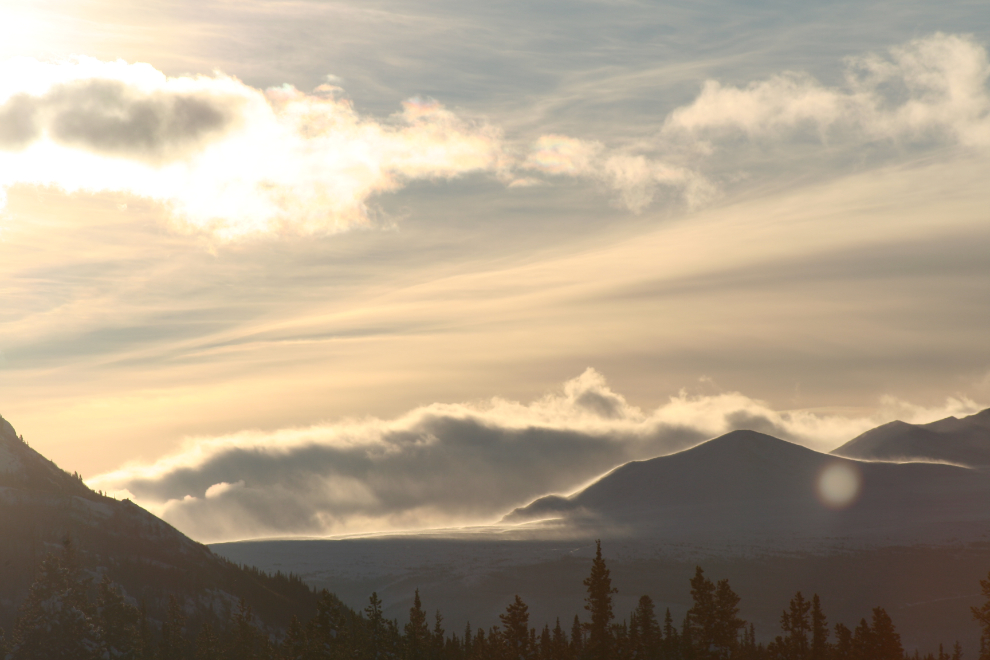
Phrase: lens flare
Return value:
(839, 484)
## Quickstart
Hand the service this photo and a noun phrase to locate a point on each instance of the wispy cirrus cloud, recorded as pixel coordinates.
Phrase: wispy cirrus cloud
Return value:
(450, 464)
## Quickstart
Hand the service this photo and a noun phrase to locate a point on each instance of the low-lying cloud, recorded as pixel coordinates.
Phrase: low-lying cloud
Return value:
(449, 464)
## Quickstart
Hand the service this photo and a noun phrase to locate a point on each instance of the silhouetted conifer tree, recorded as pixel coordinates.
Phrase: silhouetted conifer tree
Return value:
(819, 630)
(560, 643)
(982, 616)
(377, 627)
(671, 639)
(598, 602)
(207, 644)
(795, 624)
(712, 620)
(437, 638)
(843, 643)
(172, 644)
(886, 640)
(645, 637)
(515, 631)
(577, 638)
(56, 620)
(118, 623)
(416, 641)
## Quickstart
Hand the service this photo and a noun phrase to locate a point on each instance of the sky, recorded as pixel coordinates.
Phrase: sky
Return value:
(309, 268)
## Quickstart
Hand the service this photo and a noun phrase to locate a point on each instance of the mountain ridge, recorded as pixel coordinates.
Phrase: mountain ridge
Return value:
(959, 441)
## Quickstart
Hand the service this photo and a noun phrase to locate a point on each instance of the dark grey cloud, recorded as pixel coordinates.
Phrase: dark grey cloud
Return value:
(113, 118)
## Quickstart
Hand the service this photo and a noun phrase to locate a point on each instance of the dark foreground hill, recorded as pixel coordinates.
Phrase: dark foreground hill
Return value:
(42, 507)
(963, 441)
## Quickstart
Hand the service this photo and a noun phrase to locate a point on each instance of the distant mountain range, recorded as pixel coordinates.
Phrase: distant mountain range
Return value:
(746, 483)
(912, 537)
(42, 507)
(963, 441)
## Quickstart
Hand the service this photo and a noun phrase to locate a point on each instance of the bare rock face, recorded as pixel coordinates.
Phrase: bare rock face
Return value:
(964, 441)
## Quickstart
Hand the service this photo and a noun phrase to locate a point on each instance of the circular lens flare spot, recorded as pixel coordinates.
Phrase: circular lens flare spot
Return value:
(838, 485)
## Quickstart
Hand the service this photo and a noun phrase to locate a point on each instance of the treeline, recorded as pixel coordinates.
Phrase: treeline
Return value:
(64, 617)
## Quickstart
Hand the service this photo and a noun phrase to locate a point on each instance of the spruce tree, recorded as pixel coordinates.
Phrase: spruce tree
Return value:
(598, 602)
(577, 638)
(819, 630)
(560, 643)
(645, 637)
(982, 616)
(117, 623)
(795, 624)
(843, 643)
(207, 644)
(712, 622)
(56, 620)
(417, 638)
(376, 626)
(886, 640)
(172, 645)
(515, 631)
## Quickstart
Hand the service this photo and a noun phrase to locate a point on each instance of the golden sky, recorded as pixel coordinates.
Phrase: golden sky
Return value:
(251, 231)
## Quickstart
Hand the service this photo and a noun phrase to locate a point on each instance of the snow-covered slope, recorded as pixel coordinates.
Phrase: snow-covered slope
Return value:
(963, 441)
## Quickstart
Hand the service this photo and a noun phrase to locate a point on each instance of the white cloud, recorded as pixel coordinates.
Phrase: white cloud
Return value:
(223, 156)
(449, 464)
(933, 88)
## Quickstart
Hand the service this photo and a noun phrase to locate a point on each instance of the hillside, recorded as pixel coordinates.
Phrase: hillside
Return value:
(747, 506)
(42, 507)
(963, 441)
(746, 483)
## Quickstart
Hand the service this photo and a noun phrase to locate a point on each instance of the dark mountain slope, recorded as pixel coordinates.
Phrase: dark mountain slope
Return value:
(42, 507)
(963, 441)
(747, 482)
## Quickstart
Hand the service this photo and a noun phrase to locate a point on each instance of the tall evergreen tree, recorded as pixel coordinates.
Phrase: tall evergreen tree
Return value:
(598, 602)
(437, 638)
(982, 616)
(515, 631)
(207, 644)
(172, 644)
(713, 621)
(819, 630)
(56, 621)
(795, 624)
(863, 647)
(377, 628)
(645, 636)
(117, 623)
(416, 641)
(843, 649)
(577, 638)
(886, 640)
(560, 643)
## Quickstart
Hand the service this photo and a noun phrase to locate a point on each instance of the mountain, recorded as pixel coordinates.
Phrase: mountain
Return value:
(963, 441)
(914, 538)
(746, 483)
(43, 507)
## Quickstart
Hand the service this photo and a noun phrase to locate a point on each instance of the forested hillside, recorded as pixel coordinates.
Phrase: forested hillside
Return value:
(67, 616)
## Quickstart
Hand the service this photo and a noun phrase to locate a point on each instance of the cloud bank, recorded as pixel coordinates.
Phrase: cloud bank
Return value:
(448, 464)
